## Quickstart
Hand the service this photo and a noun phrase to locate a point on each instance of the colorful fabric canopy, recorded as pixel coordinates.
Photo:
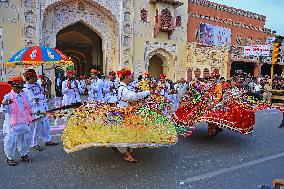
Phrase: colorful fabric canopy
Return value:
(38, 55)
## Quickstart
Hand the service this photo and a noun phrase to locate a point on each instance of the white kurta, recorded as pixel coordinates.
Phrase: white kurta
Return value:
(71, 95)
(165, 87)
(40, 126)
(96, 90)
(18, 136)
(83, 86)
(181, 88)
(175, 100)
(125, 95)
(132, 86)
(110, 91)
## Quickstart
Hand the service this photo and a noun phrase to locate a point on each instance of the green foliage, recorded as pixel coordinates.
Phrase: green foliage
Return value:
(70, 67)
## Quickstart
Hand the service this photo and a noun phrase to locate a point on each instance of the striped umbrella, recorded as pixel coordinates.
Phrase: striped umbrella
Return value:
(38, 55)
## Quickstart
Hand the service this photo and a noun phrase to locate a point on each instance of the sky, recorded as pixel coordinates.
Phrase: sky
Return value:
(272, 9)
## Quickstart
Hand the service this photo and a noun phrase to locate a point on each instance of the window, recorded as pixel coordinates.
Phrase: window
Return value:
(178, 21)
(166, 18)
(239, 39)
(144, 15)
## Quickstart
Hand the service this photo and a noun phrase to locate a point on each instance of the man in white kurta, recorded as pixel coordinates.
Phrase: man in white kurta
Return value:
(110, 89)
(163, 86)
(181, 87)
(124, 97)
(96, 87)
(16, 128)
(71, 89)
(40, 125)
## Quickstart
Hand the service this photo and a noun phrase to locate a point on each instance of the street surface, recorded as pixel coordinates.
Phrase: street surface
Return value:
(228, 161)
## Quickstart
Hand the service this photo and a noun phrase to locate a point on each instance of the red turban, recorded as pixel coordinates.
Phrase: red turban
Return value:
(41, 76)
(71, 72)
(93, 71)
(146, 73)
(163, 76)
(30, 73)
(124, 72)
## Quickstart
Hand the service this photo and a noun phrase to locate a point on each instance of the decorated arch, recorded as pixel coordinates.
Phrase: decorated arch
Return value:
(59, 14)
(166, 52)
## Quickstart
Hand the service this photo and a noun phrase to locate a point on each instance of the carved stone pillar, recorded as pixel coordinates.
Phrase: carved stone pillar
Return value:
(127, 35)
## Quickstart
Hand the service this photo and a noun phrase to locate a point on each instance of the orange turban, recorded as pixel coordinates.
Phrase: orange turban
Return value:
(16, 80)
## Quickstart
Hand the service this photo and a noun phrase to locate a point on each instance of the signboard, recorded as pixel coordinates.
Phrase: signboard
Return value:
(206, 34)
(213, 35)
(257, 50)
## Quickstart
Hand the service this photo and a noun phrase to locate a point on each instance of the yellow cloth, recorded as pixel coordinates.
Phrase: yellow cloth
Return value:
(140, 128)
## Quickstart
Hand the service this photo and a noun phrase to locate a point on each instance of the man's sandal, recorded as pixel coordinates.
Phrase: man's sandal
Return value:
(11, 162)
(131, 160)
(26, 159)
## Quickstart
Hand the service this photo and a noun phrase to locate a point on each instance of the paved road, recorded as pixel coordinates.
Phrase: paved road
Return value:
(230, 161)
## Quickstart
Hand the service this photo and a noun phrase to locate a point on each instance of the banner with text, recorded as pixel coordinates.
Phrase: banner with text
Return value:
(257, 50)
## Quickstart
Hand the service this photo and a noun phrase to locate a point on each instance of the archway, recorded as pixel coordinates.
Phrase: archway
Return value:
(83, 45)
(61, 15)
(167, 55)
(155, 66)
